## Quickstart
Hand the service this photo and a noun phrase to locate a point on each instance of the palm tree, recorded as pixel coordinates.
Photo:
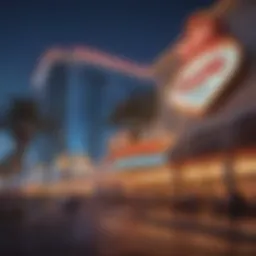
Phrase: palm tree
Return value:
(23, 120)
(137, 112)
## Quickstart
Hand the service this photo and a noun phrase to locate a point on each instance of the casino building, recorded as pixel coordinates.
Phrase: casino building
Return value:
(199, 77)
(79, 87)
(208, 81)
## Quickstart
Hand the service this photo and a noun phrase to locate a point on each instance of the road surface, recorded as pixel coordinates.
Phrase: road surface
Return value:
(92, 227)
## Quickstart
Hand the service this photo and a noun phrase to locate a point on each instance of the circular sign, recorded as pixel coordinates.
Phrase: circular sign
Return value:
(204, 78)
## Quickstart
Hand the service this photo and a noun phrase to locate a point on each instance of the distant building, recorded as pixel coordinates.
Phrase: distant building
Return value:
(79, 88)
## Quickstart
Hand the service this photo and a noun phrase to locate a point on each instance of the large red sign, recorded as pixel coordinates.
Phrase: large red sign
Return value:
(209, 61)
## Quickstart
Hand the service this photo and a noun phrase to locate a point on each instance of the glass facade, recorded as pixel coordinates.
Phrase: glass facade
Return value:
(80, 98)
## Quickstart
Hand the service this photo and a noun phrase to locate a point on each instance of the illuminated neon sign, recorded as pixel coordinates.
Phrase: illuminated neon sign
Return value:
(210, 61)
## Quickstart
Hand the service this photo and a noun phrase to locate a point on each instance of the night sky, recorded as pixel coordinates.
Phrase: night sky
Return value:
(135, 29)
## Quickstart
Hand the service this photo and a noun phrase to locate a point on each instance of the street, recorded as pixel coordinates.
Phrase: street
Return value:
(94, 227)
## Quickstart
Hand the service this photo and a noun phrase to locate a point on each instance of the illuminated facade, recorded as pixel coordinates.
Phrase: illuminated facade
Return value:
(79, 89)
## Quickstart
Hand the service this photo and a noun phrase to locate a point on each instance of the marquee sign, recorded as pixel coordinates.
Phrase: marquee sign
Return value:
(140, 161)
(210, 61)
(203, 80)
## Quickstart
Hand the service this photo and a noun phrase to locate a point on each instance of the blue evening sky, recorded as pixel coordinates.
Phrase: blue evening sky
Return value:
(137, 29)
